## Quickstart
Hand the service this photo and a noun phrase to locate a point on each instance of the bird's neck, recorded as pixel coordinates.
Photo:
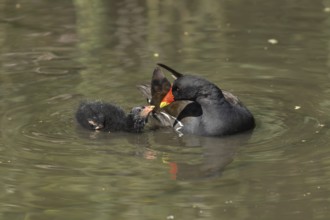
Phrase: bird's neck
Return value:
(210, 98)
(134, 124)
(211, 107)
(211, 104)
(129, 123)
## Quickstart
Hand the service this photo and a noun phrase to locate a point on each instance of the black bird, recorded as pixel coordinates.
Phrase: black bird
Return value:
(111, 118)
(210, 111)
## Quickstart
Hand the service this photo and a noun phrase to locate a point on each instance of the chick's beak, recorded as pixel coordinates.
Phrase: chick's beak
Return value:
(146, 110)
(168, 99)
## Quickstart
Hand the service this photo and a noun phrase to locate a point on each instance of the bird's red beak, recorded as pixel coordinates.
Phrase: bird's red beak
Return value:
(168, 99)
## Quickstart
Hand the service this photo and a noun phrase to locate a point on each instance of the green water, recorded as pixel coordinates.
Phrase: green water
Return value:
(274, 55)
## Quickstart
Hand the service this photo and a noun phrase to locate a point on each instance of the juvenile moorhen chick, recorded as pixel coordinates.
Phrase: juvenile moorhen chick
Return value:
(111, 118)
(211, 111)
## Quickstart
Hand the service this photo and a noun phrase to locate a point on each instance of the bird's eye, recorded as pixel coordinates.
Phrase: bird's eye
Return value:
(136, 110)
(175, 88)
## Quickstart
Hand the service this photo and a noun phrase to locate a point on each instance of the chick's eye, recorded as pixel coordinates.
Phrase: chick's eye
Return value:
(136, 110)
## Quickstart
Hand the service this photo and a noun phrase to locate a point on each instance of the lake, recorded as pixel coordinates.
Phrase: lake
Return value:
(274, 55)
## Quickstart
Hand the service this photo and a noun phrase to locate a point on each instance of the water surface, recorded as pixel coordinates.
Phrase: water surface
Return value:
(274, 55)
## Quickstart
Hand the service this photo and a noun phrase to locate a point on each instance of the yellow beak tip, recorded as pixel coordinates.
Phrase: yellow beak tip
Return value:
(163, 104)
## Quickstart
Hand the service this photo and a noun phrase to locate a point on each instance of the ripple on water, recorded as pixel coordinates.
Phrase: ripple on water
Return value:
(51, 124)
(50, 129)
(34, 127)
(42, 62)
(281, 125)
(270, 120)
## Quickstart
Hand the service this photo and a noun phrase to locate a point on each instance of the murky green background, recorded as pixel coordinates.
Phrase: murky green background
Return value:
(275, 55)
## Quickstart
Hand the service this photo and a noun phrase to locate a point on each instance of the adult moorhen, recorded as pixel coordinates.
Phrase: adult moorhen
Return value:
(210, 111)
(108, 117)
